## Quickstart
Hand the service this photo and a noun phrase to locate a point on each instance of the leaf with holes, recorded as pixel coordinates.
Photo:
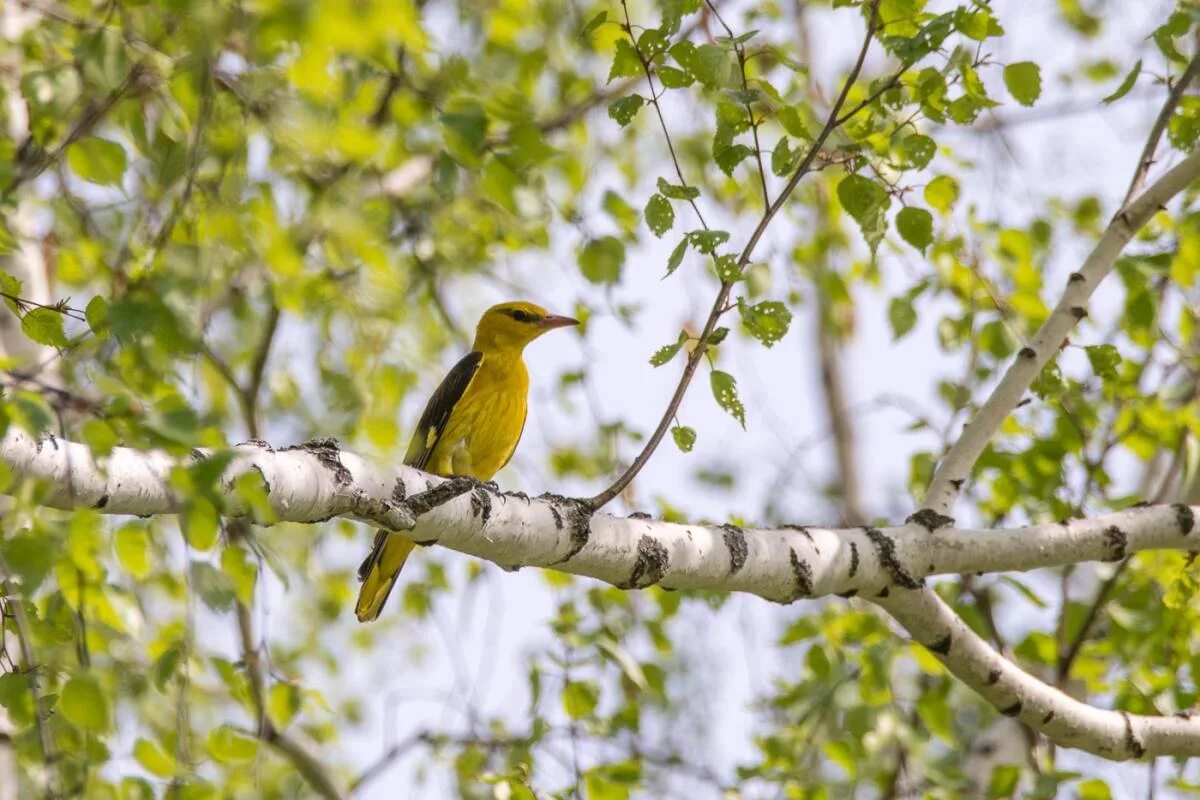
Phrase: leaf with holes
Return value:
(676, 191)
(707, 241)
(625, 109)
(724, 389)
(767, 321)
(626, 63)
(665, 353)
(685, 437)
(867, 202)
(659, 215)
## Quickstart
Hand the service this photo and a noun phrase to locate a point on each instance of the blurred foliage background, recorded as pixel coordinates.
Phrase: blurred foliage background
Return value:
(232, 219)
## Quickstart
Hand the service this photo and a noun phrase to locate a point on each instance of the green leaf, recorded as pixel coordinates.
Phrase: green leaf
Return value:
(97, 160)
(229, 746)
(677, 192)
(668, 352)
(676, 257)
(767, 321)
(709, 63)
(901, 315)
(579, 698)
(659, 215)
(729, 157)
(153, 759)
(8, 242)
(1104, 359)
(97, 314)
(1126, 85)
(44, 326)
(1093, 789)
(728, 268)
(1024, 82)
(707, 241)
(601, 259)
(917, 151)
(867, 202)
(595, 22)
(942, 193)
(283, 703)
(724, 389)
(132, 544)
(915, 226)
(626, 63)
(625, 109)
(673, 78)
(83, 704)
(685, 437)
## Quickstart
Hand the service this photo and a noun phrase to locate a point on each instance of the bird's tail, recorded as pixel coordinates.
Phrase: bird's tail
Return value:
(378, 573)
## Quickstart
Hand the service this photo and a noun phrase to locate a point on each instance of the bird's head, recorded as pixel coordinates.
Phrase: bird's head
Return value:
(514, 325)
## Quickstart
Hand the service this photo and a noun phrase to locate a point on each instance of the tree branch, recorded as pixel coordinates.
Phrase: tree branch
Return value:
(1116, 735)
(317, 480)
(719, 306)
(959, 460)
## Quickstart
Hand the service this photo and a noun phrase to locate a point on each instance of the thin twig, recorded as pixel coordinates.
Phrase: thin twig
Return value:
(1067, 657)
(1146, 159)
(29, 668)
(719, 304)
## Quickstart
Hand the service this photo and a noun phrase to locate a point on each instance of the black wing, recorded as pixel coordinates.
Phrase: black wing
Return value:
(437, 411)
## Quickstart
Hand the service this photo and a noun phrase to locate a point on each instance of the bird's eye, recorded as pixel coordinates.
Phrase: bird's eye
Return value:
(521, 316)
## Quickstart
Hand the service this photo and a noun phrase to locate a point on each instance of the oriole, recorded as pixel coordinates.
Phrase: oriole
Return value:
(470, 426)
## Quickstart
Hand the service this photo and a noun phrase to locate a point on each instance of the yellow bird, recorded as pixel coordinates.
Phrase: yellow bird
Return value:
(470, 426)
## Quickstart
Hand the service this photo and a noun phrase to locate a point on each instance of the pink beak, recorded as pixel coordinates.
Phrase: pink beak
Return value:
(551, 321)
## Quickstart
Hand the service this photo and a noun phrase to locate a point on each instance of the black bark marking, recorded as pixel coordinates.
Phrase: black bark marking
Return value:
(554, 512)
(441, 494)
(579, 522)
(993, 677)
(1048, 716)
(46, 437)
(1027, 352)
(651, 564)
(1078, 312)
(399, 492)
(425, 543)
(640, 515)
(518, 495)
(481, 504)
(329, 453)
(1184, 518)
(849, 593)
(930, 520)
(735, 543)
(1117, 540)
(957, 483)
(102, 502)
(941, 646)
(806, 533)
(884, 592)
(853, 560)
(257, 443)
(1012, 710)
(1075, 277)
(1132, 743)
(886, 549)
(197, 455)
(802, 573)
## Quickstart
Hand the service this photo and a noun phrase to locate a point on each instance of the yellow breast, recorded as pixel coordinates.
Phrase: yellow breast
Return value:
(486, 423)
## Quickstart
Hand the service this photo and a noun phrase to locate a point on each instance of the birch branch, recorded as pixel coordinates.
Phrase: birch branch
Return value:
(317, 480)
(1116, 735)
(958, 462)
